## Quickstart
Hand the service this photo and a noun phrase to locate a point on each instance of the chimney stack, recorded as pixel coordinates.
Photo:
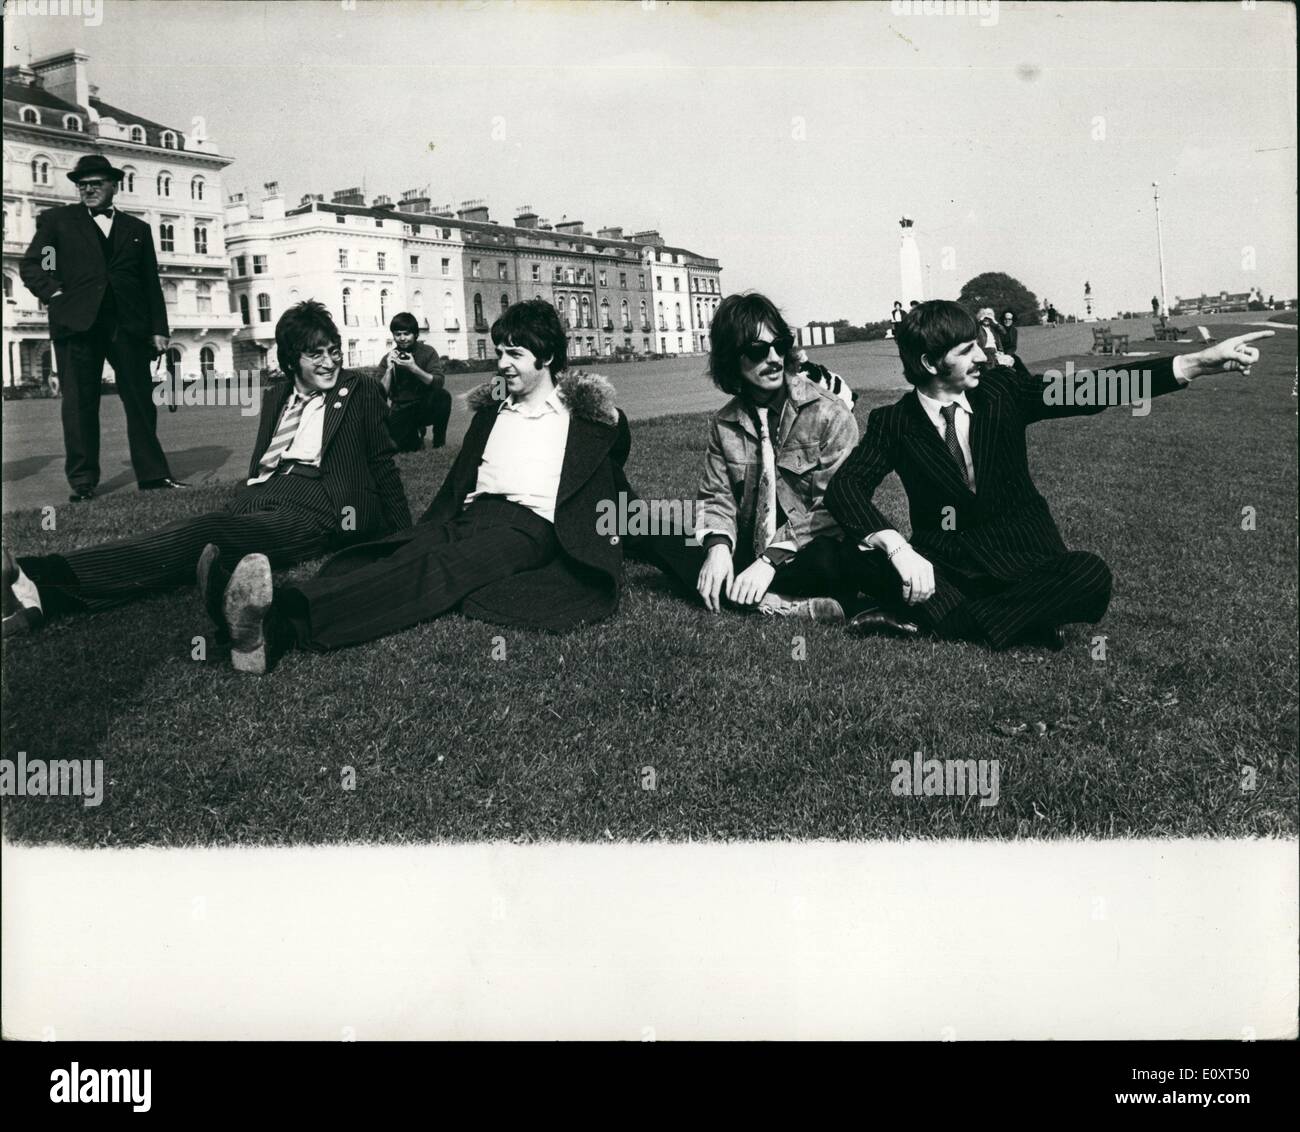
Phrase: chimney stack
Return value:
(64, 76)
(473, 210)
(349, 196)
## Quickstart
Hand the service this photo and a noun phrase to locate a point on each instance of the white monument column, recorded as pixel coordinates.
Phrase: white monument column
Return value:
(909, 266)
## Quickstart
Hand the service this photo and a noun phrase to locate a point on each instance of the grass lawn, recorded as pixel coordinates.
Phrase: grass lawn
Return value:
(1196, 696)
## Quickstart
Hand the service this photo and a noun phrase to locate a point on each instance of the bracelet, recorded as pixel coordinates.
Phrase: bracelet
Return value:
(890, 556)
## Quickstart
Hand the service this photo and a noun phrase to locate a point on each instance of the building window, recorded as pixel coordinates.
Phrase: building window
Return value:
(677, 283)
(559, 275)
(446, 267)
(379, 223)
(446, 233)
(624, 315)
(352, 351)
(602, 279)
(128, 180)
(645, 321)
(31, 117)
(243, 311)
(238, 266)
(380, 260)
(502, 272)
(196, 188)
(448, 312)
(475, 269)
(415, 265)
(622, 280)
(203, 298)
(72, 122)
(137, 134)
(604, 315)
(343, 258)
(586, 311)
(164, 184)
(537, 273)
(167, 237)
(677, 310)
(207, 362)
(479, 324)
(640, 280)
(482, 348)
(200, 239)
(383, 308)
(659, 310)
(171, 294)
(347, 306)
(505, 303)
(680, 347)
(40, 171)
(339, 218)
(573, 311)
(259, 264)
(263, 307)
(659, 282)
(168, 140)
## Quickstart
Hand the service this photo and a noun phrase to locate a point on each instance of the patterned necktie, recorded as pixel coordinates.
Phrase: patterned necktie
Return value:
(285, 431)
(765, 513)
(949, 412)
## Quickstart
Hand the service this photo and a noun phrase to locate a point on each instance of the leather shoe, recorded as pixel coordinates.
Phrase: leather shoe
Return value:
(244, 606)
(1050, 637)
(877, 622)
(213, 578)
(160, 485)
(81, 494)
(22, 610)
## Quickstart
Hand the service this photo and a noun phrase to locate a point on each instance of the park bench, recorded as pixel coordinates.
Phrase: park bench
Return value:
(1104, 341)
(1206, 336)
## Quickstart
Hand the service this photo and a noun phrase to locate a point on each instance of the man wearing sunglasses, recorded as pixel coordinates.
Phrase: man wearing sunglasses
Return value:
(766, 540)
(95, 268)
(321, 476)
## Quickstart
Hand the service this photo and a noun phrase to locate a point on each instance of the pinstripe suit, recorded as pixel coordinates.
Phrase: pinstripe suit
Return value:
(355, 494)
(1001, 567)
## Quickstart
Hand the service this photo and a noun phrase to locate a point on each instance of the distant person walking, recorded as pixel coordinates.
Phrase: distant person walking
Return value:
(1155, 307)
(895, 317)
(1052, 316)
(95, 267)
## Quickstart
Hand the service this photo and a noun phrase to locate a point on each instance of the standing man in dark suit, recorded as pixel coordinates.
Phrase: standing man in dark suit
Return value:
(95, 267)
(511, 537)
(322, 475)
(985, 561)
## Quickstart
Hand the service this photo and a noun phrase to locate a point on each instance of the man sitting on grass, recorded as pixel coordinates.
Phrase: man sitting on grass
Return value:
(768, 543)
(412, 376)
(322, 474)
(985, 561)
(511, 537)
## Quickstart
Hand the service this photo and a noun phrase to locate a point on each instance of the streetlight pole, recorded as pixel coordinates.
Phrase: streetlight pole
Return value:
(1160, 251)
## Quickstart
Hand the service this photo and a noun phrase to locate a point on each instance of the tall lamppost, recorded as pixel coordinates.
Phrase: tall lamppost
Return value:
(1160, 250)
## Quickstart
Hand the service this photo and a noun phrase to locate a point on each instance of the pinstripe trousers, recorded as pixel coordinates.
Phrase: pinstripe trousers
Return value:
(288, 518)
(1066, 588)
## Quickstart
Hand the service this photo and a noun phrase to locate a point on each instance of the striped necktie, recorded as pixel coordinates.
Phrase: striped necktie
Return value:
(285, 431)
(765, 512)
(949, 413)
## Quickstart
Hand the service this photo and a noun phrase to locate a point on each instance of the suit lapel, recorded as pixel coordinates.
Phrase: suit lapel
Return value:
(588, 444)
(270, 416)
(119, 234)
(983, 426)
(929, 449)
(336, 404)
(89, 231)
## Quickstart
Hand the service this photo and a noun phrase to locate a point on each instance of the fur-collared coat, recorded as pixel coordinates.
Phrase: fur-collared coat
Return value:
(584, 581)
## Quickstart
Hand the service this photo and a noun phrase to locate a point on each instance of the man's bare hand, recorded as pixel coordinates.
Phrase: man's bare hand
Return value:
(714, 574)
(1232, 354)
(751, 583)
(160, 343)
(917, 575)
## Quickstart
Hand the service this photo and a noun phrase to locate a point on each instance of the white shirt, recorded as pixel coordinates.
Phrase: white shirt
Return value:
(961, 421)
(524, 455)
(306, 444)
(103, 223)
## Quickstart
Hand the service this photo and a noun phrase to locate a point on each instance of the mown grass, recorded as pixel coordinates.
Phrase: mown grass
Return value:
(1194, 701)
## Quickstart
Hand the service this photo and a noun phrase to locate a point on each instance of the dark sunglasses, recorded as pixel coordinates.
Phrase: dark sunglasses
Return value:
(757, 351)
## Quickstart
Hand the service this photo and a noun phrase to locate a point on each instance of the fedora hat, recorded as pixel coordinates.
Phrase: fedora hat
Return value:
(94, 164)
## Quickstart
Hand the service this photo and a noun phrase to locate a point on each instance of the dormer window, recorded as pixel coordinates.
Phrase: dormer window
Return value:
(72, 122)
(168, 140)
(137, 134)
(31, 116)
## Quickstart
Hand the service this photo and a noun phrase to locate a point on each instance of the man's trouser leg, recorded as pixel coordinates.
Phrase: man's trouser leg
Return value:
(423, 578)
(287, 522)
(436, 413)
(1066, 588)
(81, 372)
(131, 356)
(404, 424)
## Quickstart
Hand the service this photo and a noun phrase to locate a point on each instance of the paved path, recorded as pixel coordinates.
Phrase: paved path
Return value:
(211, 445)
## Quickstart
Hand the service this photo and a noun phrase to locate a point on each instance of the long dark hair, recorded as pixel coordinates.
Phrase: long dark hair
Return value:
(736, 323)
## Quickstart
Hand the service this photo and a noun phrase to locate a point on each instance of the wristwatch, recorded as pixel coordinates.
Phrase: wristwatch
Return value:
(764, 558)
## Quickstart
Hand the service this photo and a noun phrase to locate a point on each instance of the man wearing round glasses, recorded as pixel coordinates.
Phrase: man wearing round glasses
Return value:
(95, 268)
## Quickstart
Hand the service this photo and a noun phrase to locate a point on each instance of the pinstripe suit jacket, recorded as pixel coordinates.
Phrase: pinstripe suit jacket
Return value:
(1003, 529)
(356, 461)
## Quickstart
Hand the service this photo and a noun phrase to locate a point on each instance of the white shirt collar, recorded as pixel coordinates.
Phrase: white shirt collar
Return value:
(552, 404)
(933, 409)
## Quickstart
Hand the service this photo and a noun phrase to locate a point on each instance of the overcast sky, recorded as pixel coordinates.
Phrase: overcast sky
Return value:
(784, 139)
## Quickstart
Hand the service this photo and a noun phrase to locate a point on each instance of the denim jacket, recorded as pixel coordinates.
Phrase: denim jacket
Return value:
(816, 433)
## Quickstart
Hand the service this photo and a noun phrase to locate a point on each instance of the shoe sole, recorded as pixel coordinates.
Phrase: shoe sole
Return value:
(248, 597)
(203, 574)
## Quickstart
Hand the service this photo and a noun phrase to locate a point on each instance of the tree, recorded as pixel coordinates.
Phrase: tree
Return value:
(1003, 293)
